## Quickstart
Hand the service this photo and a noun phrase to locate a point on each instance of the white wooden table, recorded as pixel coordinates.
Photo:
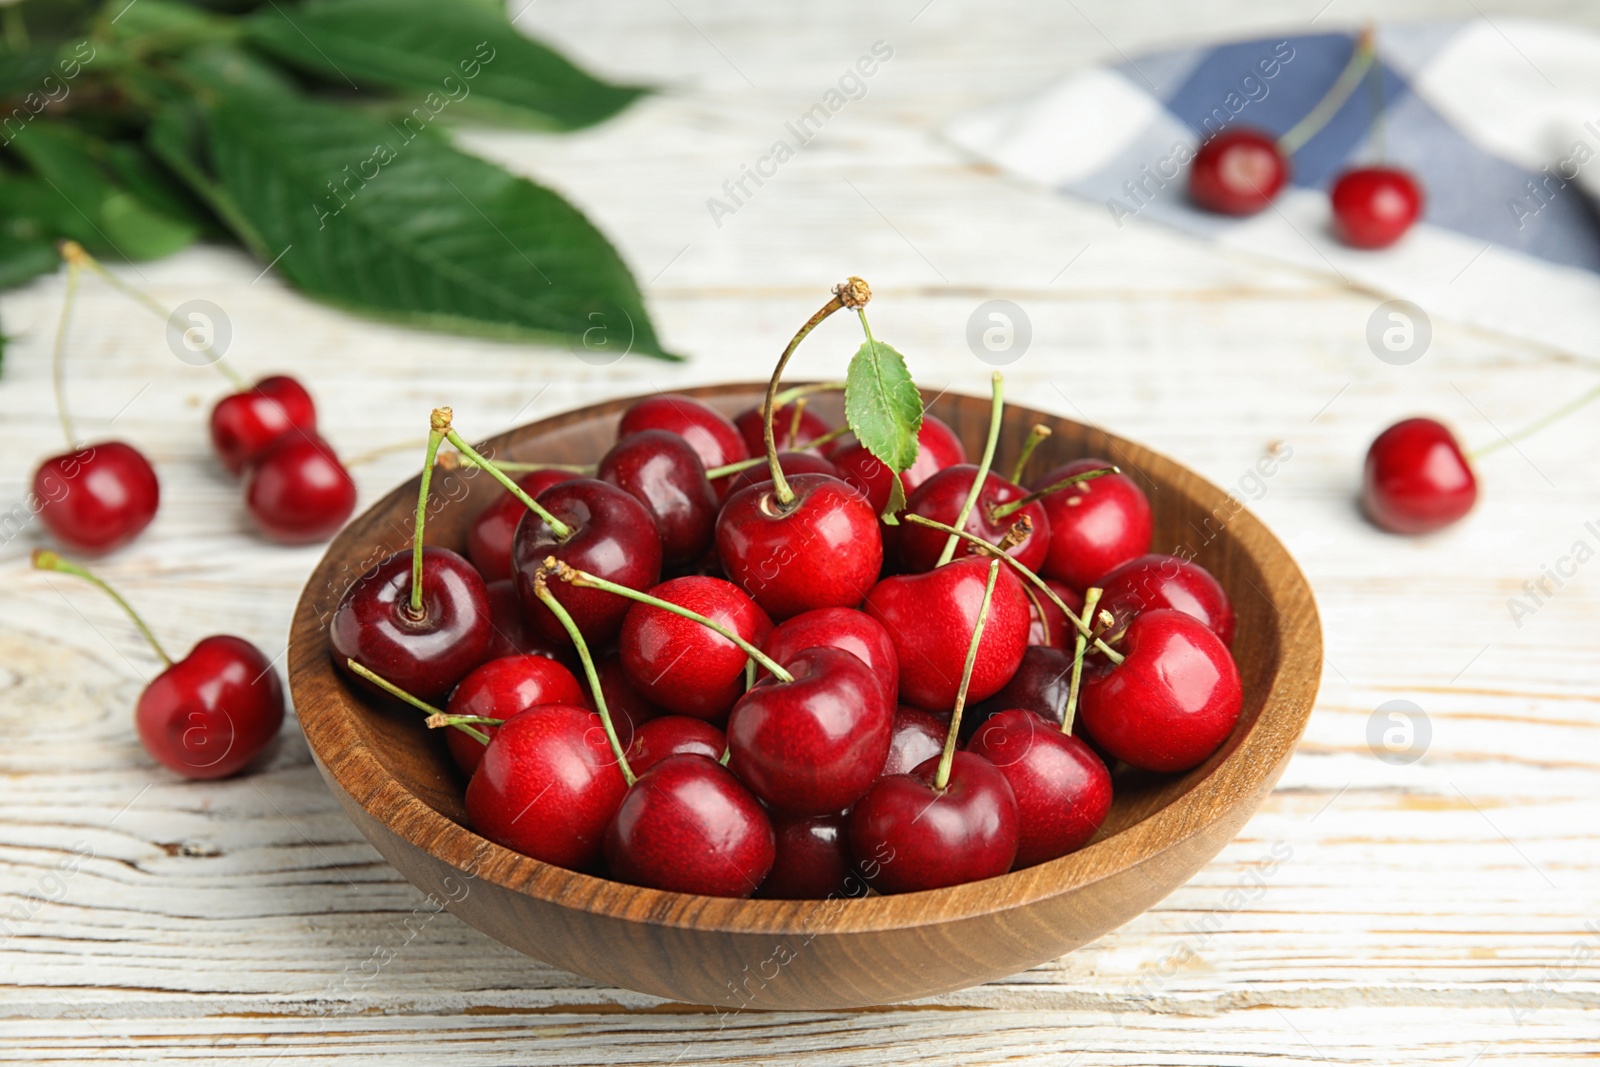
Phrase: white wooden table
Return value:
(1442, 911)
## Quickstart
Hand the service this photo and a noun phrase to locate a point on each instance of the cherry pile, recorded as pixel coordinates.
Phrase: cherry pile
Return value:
(717, 664)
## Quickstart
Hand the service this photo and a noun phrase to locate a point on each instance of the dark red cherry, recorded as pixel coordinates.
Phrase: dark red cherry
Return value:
(688, 826)
(628, 707)
(852, 631)
(427, 654)
(822, 550)
(928, 838)
(1094, 525)
(1373, 207)
(715, 439)
(298, 492)
(812, 860)
(510, 634)
(918, 736)
(813, 745)
(681, 664)
(212, 712)
(792, 463)
(1154, 581)
(1171, 702)
(1040, 685)
(663, 472)
(930, 618)
(243, 424)
(97, 498)
(938, 448)
(940, 498)
(1416, 479)
(1049, 626)
(1237, 172)
(1062, 789)
(673, 735)
(502, 688)
(548, 786)
(612, 537)
(490, 535)
(753, 430)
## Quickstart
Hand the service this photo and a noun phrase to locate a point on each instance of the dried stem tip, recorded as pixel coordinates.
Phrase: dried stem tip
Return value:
(1018, 533)
(440, 421)
(853, 292)
(72, 252)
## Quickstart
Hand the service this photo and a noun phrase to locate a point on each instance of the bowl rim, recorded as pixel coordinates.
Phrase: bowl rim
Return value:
(1248, 770)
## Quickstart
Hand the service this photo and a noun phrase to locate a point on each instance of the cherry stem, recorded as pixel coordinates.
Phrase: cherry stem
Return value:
(996, 410)
(77, 256)
(1044, 623)
(1374, 80)
(1038, 582)
(434, 722)
(541, 589)
(1036, 437)
(795, 420)
(1318, 117)
(1070, 712)
(1002, 510)
(45, 560)
(1534, 427)
(745, 464)
(435, 437)
(58, 359)
(942, 777)
(560, 529)
(583, 579)
(416, 702)
(513, 466)
(790, 395)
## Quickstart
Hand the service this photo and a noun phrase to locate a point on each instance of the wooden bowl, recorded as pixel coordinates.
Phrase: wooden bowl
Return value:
(398, 784)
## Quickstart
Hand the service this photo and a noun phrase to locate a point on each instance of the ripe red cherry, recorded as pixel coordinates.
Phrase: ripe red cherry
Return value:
(1094, 526)
(929, 838)
(97, 498)
(822, 550)
(1063, 791)
(1040, 685)
(298, 492)
(792, 463)
(612, 537)
(752, 429)
(664, 474)
(918, 736)
(424, 655)
(1049, 626)
(940, 498)
(1373, 207)
(629, 709)
(1416, 479)
(813, 745)
(490, 535)
(1154, 581)
(812, 861)
(673, 735)
(930, 618)
(509, 632)
(938, 448)
(715, 439)
(852, 631)
(688, 826)
(502, 688)
(1171, 702)
(681, 664)
(243, 424)
(1237, 172)
(212, 712)
(548, 786)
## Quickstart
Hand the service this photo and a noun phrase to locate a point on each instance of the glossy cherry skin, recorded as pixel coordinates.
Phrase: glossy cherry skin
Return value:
(940, 498)
(813, 745)
(791, 463)
(1150, 582)
(1237, 172)
(628, 707)
(1062, 789)
(929, 839)
(930, 618)
(1373, 207)
(938, 448)
(683, 665)
(490, 535)
(212, 712)
(715, 439)
(1171, 703)
(510, 634)
(502, 688)
(1049, 626)
(812, 860)
(852, 631)
(663, 472)
(613, 537)
(1040, 685)
(243, 424)
(822, 550)
(673, 735)
(688, 826)
(918, 736)
(548, 786)
(298, 492)
(1095, 525)
(752, 428)
(97, 498)
(423, 656)
(1416, 479)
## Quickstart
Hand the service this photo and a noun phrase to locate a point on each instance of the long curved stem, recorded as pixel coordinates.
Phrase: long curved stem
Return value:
(1091, 599)
(996, 410)
(541, 589)
(1018, 504)
(1534, 427)
(1319, 116)
(58, 359)
(435, 437)
(416, 702)
(45, 560)
(746, 464)
(780, 484)
(557, 527)
(941, 777)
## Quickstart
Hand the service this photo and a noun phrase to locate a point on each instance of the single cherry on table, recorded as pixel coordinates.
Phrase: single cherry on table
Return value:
(297, 491)
(1238, 172)
(1416, 479)
(97, 498)
(1373, 207)
(246, 422)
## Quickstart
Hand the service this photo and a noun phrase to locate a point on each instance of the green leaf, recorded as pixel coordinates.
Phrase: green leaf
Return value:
(22, 259)
(439, 57)
(882, 405)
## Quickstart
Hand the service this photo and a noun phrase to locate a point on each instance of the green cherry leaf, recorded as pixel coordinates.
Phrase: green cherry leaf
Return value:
(882, 405)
